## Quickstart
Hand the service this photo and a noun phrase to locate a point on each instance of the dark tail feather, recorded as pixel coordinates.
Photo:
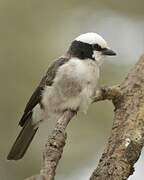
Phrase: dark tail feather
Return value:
(22, 142)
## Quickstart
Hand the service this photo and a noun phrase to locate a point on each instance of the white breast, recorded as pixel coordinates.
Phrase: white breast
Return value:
(73, 87)
(86, 72)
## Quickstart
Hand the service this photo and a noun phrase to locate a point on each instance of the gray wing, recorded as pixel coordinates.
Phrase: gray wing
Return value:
(47, 80)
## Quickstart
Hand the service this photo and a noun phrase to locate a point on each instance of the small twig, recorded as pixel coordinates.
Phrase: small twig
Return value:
(54, 146)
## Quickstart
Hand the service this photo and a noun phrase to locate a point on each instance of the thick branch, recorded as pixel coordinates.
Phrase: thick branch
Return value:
(127, 137)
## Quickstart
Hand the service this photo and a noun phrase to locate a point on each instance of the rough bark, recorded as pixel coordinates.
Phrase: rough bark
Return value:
(127, 137)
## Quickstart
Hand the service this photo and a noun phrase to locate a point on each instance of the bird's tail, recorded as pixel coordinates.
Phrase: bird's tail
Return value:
(23, 141)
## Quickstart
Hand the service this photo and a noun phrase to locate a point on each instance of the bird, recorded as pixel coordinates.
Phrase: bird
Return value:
(69, 84)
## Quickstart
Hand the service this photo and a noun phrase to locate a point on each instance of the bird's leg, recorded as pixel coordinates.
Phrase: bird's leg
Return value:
(107, 92)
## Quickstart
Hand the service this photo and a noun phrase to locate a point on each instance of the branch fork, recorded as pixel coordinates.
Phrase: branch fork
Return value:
(127, 136)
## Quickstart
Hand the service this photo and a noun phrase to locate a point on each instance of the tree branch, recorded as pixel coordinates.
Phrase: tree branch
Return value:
(127, 138)
(54, 148)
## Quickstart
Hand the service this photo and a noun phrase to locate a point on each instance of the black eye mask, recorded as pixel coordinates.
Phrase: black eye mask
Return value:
(97, 47)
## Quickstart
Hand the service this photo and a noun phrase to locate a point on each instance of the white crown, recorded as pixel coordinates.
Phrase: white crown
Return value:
(92, 38)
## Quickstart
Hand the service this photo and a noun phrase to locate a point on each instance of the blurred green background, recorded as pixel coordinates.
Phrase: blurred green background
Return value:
(35, 32)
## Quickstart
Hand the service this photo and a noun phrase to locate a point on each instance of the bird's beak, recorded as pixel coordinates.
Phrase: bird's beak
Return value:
(108, 52)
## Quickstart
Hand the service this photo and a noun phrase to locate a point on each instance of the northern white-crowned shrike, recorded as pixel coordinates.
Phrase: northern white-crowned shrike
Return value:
(69, 83)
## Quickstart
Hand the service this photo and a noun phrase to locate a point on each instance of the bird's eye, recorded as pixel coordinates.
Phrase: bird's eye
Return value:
(97, 47)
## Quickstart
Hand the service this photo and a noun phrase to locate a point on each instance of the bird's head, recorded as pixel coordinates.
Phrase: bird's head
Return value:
(90, 46)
